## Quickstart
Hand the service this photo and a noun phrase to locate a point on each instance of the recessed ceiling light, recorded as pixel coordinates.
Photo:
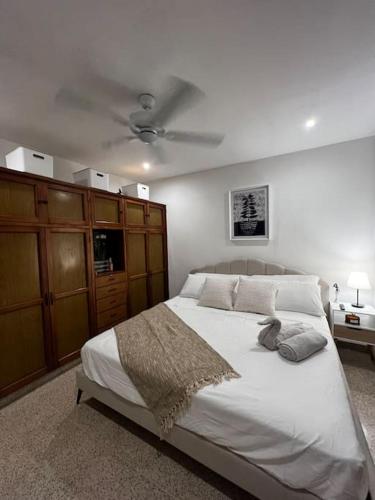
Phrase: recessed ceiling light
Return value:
(146, 165)
(310, 123)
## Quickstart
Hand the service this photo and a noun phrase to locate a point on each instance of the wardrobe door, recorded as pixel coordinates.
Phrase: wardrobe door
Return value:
(69, 285)
(20, 199)
(24, 344)
(156, 215)
(157, 267)
(136, 243)
(107, 210)
(137, 296)
(158, 288)
(135, 213)
(67, 205)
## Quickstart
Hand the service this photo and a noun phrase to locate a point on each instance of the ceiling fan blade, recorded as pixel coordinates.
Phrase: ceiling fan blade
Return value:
(118, 141)
(73, 100)
(183, 95)
(111, 89)
(210, 140)
(158, 154)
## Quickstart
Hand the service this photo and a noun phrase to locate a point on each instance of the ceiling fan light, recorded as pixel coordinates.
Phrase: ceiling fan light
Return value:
(148, 136)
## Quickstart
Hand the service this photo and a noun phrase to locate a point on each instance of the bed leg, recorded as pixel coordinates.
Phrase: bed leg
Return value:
(79, 394)
(372, 352)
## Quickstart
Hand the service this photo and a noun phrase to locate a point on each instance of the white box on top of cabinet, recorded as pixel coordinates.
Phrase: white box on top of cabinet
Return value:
(92, 178)
(137, 191)
(27, 160)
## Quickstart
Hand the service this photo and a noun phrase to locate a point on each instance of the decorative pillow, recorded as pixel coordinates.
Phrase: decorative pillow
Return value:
(193, 286)
(303, 278)
(218, 293)
(256, 297)
(217, 275)
(299, 297)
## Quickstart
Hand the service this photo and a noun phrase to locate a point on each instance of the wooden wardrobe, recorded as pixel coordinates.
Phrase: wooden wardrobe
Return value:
(52, 298)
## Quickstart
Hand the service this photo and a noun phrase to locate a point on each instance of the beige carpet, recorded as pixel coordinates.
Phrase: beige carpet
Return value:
(52, 449)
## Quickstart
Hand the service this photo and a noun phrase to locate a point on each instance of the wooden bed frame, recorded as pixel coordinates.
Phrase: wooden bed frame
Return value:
(222, 461)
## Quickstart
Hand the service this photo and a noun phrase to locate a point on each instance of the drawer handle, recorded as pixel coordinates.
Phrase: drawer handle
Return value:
(112, 290)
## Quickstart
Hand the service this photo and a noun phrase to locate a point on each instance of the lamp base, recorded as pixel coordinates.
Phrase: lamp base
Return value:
(358, 305)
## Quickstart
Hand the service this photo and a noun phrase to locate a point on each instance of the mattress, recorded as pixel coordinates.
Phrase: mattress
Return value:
(293, 420)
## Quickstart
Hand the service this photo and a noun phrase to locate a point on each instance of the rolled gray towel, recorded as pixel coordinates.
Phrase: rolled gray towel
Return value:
(267, 335)
(288, 331)
(275, 332)
(302, 346)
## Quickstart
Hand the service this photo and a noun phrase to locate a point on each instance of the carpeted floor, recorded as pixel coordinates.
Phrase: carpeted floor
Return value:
(52, 449)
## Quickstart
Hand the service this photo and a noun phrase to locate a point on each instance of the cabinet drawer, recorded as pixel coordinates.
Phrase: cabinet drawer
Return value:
(109, 279)
(355, 334)
(111, 317)
(109, 290)
(111, 302)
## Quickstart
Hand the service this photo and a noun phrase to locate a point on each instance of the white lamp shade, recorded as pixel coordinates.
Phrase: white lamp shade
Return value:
(359, 281)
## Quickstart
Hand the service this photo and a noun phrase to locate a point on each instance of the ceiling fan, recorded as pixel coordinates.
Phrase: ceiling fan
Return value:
(149, 123)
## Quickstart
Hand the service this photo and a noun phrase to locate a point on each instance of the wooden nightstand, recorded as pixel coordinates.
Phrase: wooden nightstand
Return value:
(363, 334)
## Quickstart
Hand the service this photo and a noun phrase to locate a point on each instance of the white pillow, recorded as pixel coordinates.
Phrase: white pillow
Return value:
(193, 286)
(256, 297)
(299, 297)
(303, 278)
(217, 275)
(218, 293)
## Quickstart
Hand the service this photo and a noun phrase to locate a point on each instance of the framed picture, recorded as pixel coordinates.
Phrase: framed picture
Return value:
(249, 213)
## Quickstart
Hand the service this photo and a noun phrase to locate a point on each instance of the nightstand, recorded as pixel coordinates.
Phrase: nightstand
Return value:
(364, 333)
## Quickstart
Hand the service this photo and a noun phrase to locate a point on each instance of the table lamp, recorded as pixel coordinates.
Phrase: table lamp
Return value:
(359, 281)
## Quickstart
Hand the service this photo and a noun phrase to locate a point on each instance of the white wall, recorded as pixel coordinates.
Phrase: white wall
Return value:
(323, 213)
(63, 169)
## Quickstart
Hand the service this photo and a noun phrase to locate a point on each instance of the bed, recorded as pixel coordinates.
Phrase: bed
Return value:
(277, 431)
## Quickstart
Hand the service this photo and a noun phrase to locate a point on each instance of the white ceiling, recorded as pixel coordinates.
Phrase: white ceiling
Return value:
(265, 65)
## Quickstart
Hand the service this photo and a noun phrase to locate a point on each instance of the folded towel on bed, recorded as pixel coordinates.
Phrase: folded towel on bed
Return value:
(302, 346)
(275, 332)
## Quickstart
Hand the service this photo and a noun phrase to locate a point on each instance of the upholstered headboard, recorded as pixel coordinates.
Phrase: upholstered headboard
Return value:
(256, 266)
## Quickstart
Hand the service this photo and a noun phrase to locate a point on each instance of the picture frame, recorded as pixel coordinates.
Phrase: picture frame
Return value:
(249, 213)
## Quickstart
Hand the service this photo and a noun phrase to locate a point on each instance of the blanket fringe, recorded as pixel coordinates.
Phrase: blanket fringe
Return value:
(167, 422)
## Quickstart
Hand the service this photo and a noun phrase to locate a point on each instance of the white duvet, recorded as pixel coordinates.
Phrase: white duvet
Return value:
(292, 420)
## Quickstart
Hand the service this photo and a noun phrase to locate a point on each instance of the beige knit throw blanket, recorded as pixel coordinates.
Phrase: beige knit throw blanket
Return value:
(167, 362)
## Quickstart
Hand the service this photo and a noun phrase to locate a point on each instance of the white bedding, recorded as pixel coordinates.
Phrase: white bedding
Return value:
(293, 420)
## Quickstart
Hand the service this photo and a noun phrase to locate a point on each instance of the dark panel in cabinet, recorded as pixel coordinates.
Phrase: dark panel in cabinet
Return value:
(107, 210)
(155, 215)
(67, 206)
(71, 323)
(19, 199)
(158, 288)
(69, 285)
(138, 295)
(135, 213)
(22, 351)
(136, 253)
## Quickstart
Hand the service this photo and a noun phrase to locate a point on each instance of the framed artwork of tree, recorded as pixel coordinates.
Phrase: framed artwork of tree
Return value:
(249, 213)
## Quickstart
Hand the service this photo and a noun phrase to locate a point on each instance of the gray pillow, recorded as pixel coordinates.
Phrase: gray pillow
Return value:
(256, 297)
(218, 293)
